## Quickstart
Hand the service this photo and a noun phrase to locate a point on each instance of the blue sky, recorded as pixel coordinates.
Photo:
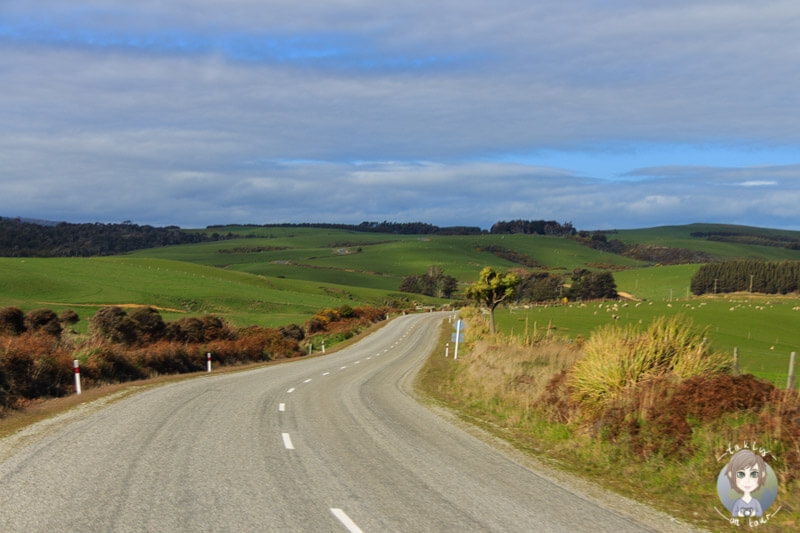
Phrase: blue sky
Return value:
(611, 114)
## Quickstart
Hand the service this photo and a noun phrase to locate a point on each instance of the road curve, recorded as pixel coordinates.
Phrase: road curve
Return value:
(325, 444)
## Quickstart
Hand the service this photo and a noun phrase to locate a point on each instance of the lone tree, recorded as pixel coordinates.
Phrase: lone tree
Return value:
(491, 289)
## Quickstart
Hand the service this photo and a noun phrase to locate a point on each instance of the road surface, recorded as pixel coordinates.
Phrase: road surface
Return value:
(332, 443)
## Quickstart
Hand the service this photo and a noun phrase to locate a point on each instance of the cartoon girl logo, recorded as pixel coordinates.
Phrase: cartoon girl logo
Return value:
(747, 485)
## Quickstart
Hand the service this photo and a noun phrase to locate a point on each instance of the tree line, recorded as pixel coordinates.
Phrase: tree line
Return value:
(26, 239)
(739, 237)
(432, 283)
(398, 228)
(665, 255)
(769, 277)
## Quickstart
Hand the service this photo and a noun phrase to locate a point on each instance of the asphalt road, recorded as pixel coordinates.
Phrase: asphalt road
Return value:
(333, 443)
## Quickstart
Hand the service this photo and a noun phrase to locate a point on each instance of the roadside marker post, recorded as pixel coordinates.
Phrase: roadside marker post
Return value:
(208, 361)
(77, 377)
(323, 346)
(447, 350)
(458, 337)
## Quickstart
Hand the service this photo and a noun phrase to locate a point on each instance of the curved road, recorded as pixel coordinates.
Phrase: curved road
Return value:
(325, 444)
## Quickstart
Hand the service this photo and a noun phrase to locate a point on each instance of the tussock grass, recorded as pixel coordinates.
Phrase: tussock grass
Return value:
(662, 439)
(619, 357)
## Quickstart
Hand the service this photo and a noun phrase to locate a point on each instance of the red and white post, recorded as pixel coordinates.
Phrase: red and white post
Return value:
(77, 377)
(208, 361)
(447, 349)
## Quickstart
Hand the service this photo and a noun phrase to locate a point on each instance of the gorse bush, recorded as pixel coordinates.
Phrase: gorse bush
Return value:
(617, 358)
(35, 361)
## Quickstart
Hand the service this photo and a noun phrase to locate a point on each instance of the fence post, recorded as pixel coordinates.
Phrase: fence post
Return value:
(77, 377)
(735, 361)
(790, 383)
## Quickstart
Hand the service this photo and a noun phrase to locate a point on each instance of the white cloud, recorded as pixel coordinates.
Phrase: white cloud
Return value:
(758, 183)
(104, 115)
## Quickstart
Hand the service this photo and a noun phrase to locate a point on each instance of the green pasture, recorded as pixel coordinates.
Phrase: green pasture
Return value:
(656, 283)
(765, 330)
(348, 258)
(679, 237)
(85, 284)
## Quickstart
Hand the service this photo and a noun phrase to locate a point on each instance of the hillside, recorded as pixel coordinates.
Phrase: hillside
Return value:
(681, 237)
(178, 288)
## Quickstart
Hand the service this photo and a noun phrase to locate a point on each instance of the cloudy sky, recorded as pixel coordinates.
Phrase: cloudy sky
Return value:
(612, 114)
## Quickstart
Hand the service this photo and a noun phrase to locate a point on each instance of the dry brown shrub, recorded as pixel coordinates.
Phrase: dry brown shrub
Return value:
(35, 365)
(707, 398)
(555, 401)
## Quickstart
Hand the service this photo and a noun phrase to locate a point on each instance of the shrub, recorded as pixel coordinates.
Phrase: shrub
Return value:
(166, 357)
(114, 324)
(619, 358)
(149, 324)
(12, 321)
(293, 331)
(215, 328)
(68, 317)
(44, 320)
(315, 324)
(34, 366)
(191, 330)
(115, 364)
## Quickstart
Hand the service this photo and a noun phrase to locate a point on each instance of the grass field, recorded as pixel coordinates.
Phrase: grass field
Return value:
(679, 237)
(287, 274)
(763, 329)
(179, 288)
(378, 260)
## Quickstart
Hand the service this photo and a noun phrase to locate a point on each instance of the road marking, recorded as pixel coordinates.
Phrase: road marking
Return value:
(281, 407)
(306, 381)
(342, 367)
(356, 362)
(342, 517)
(290, 390)
(325, 373)
(369, 357)
(287, 441)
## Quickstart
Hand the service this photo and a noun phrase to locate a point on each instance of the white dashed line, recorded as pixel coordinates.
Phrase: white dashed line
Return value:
(281, 407)
(287, 441)
(308, 380)
(368, 358)
(325, 373)
(342, 367)
(356, 362)
(342, 517)
(290, 390)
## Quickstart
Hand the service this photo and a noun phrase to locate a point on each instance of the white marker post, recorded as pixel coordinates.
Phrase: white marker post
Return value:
(458, 336)
(208, 362)
(446, 350)
(77, 377)
(323, 346)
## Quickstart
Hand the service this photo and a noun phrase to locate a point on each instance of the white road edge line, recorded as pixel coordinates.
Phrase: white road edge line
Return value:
(346, 521)
(281, 407)
(287, 441)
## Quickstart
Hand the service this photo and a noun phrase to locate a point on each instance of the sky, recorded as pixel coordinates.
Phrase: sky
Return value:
(606, 114)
